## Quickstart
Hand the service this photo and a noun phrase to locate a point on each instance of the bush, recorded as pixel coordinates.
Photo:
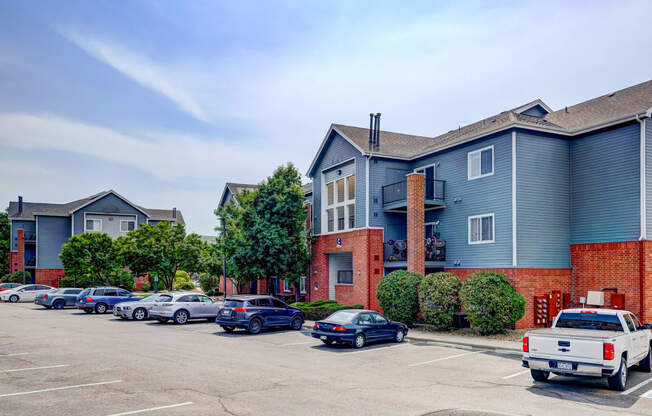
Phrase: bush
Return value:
(439, 299)
(491, 303)
(180, 278)
(321, 309)
(161, 286)
(209, 283)
(398, 296)
(17, 277)
(146, 287)
(187, 286)
(123, 279)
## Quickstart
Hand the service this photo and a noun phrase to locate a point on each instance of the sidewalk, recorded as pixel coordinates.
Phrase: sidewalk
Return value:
(456, 340)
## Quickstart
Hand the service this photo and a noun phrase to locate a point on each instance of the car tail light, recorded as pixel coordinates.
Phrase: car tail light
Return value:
(46, 296)
(588, 311)
(339, 328)
(316, 326)
(608, 352)
(526, 344)
(241, 309)
(89, 300)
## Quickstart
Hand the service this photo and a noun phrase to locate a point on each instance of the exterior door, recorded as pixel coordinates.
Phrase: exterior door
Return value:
(429, 173)
(281, 312)
(368, 326)
(382, 326)
(266, 310)
(28, 293)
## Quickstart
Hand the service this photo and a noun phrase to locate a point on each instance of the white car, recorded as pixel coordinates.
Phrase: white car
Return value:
(24, 293)
(183, 306)
(589, 342)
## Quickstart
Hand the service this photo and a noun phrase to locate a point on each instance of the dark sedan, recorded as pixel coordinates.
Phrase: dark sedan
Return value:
(58, 298)
(358, 327)
(253, 313)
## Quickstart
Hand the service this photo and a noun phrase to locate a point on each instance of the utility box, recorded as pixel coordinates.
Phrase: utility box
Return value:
(595, 298)
(554, 305)
(617, 301)
(541, 310)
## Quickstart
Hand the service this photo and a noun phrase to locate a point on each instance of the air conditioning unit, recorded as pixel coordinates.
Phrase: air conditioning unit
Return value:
(595, 298)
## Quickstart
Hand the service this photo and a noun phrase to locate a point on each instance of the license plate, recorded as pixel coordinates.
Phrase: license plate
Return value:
(226, 313)
(323, 337)
(564, 366)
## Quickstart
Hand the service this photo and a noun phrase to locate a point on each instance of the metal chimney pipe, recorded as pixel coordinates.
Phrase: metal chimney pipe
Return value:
(371, 129)
(20, 205)
(174, 212)
(377, 129)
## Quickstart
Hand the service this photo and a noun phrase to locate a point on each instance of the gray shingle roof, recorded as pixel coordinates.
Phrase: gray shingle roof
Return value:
(307, 188)
(238, 188)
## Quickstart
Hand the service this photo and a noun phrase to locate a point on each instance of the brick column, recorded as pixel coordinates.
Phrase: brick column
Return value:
(416, 255)
(646, 282)
(21, 250)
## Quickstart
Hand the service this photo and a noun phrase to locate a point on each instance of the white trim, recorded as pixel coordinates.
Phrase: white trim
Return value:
(302, 279)
(135, 224)
(72, 225)
(324, 197)
(106, 194)
(11, 237)
(533, 104)
(493, 228)
(35, 249)
(643, 184)
(95, 220)
(434, 166)
(468, 162)
(514, 246)
(351, 230)
(323, 143)
(366, 190)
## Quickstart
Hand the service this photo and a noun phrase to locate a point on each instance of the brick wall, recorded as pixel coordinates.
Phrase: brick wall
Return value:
(366, 246)
(13, 261)
(48, 276)
(529, 283)
(416, 261)
(646, 282)
(20, 256)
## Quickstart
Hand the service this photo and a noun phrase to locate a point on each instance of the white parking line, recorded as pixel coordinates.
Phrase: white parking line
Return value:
(647, 395)
(297, 343)
(151, 409)
(516, 374)
(375, 349)
(15, 354)
(22, 393)
(445, 358)
(36, 368)
(638, 386)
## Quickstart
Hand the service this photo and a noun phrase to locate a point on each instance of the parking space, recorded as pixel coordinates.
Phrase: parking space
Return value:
(72, 363)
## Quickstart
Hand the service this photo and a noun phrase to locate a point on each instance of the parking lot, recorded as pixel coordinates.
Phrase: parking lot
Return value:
(70, 363)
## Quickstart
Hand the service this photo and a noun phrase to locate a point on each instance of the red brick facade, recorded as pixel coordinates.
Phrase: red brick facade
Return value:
(17, 258)
(416, 260)
(13, 261)
(366, 245)
(626, 266)
(48, 277)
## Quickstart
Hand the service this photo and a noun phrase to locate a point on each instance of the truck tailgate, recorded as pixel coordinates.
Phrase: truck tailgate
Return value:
(562, 344)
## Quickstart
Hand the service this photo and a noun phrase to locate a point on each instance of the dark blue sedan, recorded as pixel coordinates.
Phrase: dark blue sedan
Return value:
(357, 327)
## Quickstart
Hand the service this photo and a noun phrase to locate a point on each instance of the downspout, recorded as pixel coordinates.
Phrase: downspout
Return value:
(366, 187)
(643, 216)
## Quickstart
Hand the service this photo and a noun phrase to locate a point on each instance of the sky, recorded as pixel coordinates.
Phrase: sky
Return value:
(165, 101)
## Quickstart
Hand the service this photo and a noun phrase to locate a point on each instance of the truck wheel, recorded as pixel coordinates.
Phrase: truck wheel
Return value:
(646, 363)
(619, 380)
(539, 375)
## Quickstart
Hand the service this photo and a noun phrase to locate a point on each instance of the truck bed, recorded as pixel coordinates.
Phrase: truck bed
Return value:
(575, 333)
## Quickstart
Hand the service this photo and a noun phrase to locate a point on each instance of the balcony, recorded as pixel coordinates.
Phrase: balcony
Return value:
(395, 195)
(395, 253)
(30, 237)
(30, 262)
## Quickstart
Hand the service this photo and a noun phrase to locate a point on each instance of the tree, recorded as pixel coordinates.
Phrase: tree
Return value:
(161, 250)
(5, 243)
(91, 259)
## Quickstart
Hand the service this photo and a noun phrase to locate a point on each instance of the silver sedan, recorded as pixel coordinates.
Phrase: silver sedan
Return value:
(184, 306)
(139, 310)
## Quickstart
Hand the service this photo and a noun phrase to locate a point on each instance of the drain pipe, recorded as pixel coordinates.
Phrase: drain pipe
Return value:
(643, 208)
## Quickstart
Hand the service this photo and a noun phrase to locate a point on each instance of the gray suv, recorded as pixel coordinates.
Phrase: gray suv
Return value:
(255, 312)
(183, 306)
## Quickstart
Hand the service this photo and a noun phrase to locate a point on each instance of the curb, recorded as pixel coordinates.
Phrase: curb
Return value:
(457, 344)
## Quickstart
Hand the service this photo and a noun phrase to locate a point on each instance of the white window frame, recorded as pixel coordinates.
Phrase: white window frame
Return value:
(425, 224)
(302, 285)
(493, 228)
(286, 286)
(95, 221)
(125, 232)
(345, 204)
(468, 162)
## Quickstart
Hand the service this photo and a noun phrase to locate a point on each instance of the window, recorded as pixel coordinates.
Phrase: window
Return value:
(263, 302)
(430, 229)
(589, 321)
(124, 293)
(286, 286)
(72, 292)
(205, 299)
(365, 319)
(302, 285)
(279, 304)
(481, 163)
(93, 226)
(345, 277)
(630, 324)
(379, 319)
(340, 204)
(481, 229)
(110, 292)
(99, 292)
(127, 225)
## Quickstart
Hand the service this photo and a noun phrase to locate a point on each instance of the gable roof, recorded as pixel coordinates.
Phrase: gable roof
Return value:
(616, 107)
(236, 189)
(101, 195)
(165, 215)
(307, 188)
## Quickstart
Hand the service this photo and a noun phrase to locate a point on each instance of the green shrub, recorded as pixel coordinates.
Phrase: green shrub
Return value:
(398, 296)
(321, 309)
(161, 286)
(67, 282)
(209, 283)
(187, 286)
(491, 303)
(18, 277)
(439, 299)
(180, 278)
(146, 287)
(123, 279)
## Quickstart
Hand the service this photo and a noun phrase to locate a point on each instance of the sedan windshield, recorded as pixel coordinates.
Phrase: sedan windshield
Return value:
(342, 317)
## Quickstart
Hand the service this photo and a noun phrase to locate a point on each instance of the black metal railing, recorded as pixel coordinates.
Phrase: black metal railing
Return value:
(434, 189)
(30, 237)
(396, 250)
(30, 262)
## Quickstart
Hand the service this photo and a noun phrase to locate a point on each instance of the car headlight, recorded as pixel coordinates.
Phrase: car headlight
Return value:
(127, 308)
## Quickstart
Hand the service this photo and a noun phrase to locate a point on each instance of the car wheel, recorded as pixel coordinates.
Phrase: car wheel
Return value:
(47, 307)
(539, 375)
(162, 320)
(140, 314)
(59, 304)
(646, 364)
(619, 380)
(297, 323)
(359, 341)
(255, 326)
(181, 317)
(400, 336)
(100, 308)
(228, 328)
(88, 310)
(13, 298)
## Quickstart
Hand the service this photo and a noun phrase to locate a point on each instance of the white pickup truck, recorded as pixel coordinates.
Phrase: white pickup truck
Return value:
(589, 342)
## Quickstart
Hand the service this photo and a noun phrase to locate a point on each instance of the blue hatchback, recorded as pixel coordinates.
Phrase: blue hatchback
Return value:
(256, 312)
(102, 299)
(357, 327)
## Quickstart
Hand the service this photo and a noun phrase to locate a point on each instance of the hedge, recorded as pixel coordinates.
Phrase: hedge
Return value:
(398, 296)
(321, 309)
(439, 299)
(18, 277)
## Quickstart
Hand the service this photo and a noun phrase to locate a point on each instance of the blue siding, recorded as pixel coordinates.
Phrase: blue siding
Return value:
(28, 226)
(336, 151)
(605, 188)
(543, 200)
(108, 204)
(491, 194)
(536, 111)
(384, 172)
(648, 176)
(53, 232)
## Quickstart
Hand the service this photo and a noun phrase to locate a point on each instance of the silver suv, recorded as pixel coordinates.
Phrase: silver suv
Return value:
(183, 306)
